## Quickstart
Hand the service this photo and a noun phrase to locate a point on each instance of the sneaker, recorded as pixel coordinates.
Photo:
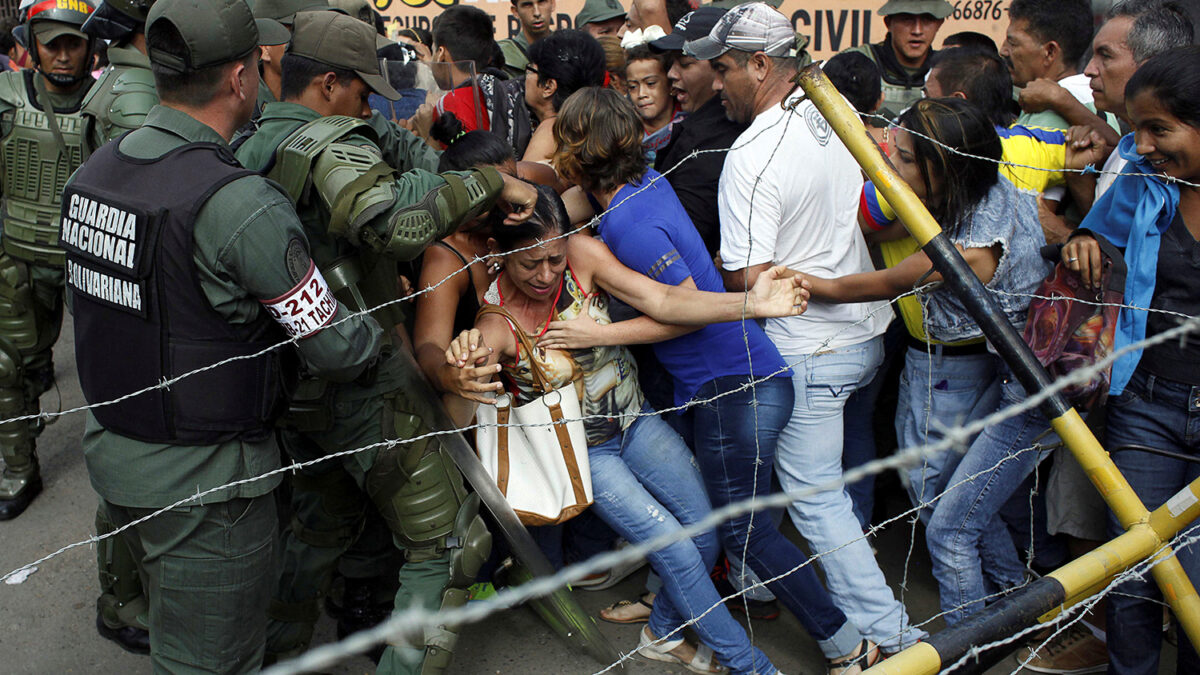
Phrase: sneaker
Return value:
(1074, 652)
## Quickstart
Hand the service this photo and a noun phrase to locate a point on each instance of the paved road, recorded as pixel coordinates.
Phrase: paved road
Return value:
(47, 622)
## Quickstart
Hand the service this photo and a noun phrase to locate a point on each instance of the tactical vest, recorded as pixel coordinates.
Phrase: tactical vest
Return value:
(898, 93)
(366, 279)
(36, 167)
(141, 317)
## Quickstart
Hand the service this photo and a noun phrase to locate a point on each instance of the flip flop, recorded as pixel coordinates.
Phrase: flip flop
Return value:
(703, 661)
(627, 603)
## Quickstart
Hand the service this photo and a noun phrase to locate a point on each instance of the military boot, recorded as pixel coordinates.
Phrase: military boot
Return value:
(19, 484)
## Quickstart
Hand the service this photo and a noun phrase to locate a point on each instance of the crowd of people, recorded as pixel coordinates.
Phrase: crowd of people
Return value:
(646, 206)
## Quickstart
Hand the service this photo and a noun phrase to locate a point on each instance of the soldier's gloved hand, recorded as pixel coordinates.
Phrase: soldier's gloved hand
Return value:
(517, 199)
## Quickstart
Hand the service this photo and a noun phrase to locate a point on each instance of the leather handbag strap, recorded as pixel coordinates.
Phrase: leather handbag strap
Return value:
(541, 381)
(502, 462)
(568, 451)
(543, 385)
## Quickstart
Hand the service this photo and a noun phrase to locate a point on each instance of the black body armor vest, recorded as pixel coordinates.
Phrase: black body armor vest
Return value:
(141, 316)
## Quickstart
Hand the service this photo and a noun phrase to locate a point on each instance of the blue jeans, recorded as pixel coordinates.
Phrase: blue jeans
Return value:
(645, 484)
(966, 537)
(735, 439)
(809, 454)
(858, 425)
(1166, 415)
(936, 392)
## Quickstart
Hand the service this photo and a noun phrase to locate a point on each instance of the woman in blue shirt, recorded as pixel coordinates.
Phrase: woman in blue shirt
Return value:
(733, 368)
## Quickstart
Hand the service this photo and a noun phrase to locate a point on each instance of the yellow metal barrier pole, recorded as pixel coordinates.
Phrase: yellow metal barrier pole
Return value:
(1115, 490)
(1050, 595)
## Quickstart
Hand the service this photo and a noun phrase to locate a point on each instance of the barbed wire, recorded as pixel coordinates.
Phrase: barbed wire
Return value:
(410, 621)
(166, 383)
(413, 620)
(1138, 570)
(1087, 170)
(296, 466)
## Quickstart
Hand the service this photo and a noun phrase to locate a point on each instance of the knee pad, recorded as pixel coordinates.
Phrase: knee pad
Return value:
(18, 321)
(416, 486)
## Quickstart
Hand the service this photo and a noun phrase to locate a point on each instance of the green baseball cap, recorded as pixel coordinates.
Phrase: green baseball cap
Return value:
(284, 11)
(359, 9)
(46, 31)
(595, 11)
(341, 41)
(213, 32)
(939, 9)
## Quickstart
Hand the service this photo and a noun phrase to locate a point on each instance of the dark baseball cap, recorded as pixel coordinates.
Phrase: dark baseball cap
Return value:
(213, 32)
(693, 26)
(595, 11)
(341, 41)
(753, 27)
(284, 11)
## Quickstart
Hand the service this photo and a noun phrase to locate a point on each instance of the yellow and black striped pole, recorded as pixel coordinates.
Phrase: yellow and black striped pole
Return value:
(1146, 533)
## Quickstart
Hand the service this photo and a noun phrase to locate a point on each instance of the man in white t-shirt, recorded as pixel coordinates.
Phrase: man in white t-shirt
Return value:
(788, 195)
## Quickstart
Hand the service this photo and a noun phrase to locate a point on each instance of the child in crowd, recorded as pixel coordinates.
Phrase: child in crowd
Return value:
(650, 91)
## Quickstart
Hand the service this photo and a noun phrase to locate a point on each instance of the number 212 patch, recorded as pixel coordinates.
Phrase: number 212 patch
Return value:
(307, 308)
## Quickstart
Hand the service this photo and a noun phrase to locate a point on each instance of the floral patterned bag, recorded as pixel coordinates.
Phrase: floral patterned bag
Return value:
(1071, 326)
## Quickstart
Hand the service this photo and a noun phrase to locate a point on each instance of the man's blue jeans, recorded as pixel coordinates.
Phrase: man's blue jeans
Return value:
(809, 454)
(735, 439)
(1161, 414)
(966, 537)
(645, 484)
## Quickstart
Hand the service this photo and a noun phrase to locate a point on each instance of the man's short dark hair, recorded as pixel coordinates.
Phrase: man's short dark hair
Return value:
(572, 58)
(1158, 25)
(466, 32)
(1067, 22)
(858, 79)
(677, 9)
(7, 39)
(972, 40)
(981, 76)
(193, 89)
(299, 72)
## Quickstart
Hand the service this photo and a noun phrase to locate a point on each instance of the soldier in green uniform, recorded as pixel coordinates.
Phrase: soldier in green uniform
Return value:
(42, 144)
(537, 21)
(283, 11)
(120, 99)
(117, 103)
(211, 264)
(906, 52)
(343, 167)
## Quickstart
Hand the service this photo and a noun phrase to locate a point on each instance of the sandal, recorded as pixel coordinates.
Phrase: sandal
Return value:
(631, 617)
(702, 662)
(855, 662)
